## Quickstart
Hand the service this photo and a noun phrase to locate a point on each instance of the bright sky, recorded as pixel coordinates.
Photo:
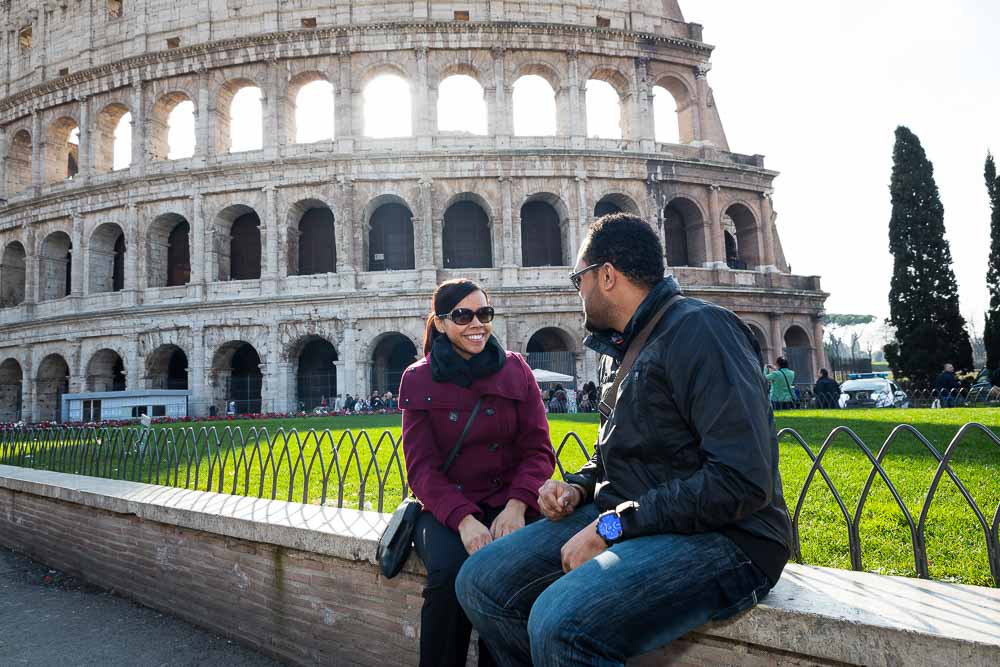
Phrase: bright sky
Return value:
(819, 88)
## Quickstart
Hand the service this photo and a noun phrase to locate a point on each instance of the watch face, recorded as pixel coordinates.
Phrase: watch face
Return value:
(609, 527)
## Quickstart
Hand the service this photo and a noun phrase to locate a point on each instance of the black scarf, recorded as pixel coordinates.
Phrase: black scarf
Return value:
(447, 365)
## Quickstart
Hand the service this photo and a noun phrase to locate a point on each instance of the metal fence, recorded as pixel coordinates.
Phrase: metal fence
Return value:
(975, 397)
(352, 469)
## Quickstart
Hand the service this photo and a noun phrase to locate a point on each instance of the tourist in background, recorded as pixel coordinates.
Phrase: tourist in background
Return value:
(946, 386)
(826, 391)
(558, 403)
(782, 380)
(491, 488)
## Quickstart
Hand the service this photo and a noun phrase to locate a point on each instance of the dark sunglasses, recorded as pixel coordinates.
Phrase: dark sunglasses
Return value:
(577, 278)
(463, 316)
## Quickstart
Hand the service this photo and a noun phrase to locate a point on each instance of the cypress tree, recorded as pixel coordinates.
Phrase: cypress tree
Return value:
(991, 332)
(923, 298)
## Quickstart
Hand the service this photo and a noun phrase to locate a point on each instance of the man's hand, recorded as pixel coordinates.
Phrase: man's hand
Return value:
(582, 547)
(509, 520)
(474, 534)
(557, 500)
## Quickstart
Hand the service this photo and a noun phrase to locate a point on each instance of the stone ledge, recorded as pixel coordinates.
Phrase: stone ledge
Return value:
(828, 615)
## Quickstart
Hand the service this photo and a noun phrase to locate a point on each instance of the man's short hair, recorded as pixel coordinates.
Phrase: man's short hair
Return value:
(824, 373)
(782, 362)
(629, 244)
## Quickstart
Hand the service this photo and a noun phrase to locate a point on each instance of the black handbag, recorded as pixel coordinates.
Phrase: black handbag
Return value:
(397, 539)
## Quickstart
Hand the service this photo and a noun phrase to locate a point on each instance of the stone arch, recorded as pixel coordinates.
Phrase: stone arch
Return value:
(12, 274)
(684, 232)
(313, 358)
(462, 111)
(619, 84)
(167, 368)
(62, 150)
(55, 267)
(553, 349)
(760, 335)
(390, 234)
(544, 222)
(747, 232)
(225, 96)
(391, 353)
(466, 233)
(312, 238)
(799, 353)
(294, 110)
(684, 108)
(238, 243)
(396, 80)
(105, 372)
(615, 202)
(108, 132)
(550, 108)
(171, 114)
(106, 251)
(18, 162)
(51, 382)
(168, 251)
(238, 378)
(11, 385)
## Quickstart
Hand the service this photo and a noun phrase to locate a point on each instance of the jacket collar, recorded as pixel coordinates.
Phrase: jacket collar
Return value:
(614, 343)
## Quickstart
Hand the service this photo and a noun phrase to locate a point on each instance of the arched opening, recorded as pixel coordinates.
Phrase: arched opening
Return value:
(314, 104)
(732, 250)
(55, 267)
(107, 259)
(665, 122)
(615, 203)
(390, 239)
(112, 141)
(316, 376)
(171, 130)
(239, 244)
(62, 161)
(168, 244)
(541, 234)
(12, 275)
(18, 163)
(740, 220)
(466, 237)
(461, 105)
(761, 339)
(246, 120)
(684, 233)
(551, 349)
(51, 383)
(167, 368)
(798, 353)
(238, 378)
(392, 354)
(387, 110)
(604, 110)
(105, 372)
(316, 239)
(11, 379)
(534, 103)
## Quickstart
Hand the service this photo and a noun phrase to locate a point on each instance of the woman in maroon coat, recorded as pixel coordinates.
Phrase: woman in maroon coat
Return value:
(491, 488)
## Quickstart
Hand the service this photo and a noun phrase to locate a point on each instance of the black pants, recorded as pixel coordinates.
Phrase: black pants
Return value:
(444, 627)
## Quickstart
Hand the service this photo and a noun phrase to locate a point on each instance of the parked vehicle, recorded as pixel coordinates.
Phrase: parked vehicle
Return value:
(872, 392)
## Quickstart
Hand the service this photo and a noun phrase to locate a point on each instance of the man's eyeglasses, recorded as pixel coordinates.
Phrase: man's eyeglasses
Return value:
(463, 316)
(577, 278)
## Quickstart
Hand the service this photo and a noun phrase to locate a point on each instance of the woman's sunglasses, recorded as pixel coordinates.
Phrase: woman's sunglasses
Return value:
(463, 316)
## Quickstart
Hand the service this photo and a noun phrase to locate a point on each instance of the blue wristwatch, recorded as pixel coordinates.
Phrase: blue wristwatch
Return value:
(609, 524)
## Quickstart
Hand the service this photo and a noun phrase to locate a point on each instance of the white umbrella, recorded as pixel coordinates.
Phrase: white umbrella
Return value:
(542, 375)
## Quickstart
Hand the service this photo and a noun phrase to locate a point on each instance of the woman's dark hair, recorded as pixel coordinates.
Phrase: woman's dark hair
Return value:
(824, 373)
(782, 362)
(629, 244)
(447, 295)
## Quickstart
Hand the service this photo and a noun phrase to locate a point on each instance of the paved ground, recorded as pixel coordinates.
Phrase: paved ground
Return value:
(48, 618)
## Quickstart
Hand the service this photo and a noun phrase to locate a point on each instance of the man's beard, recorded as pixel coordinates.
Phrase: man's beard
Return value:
(595, 320)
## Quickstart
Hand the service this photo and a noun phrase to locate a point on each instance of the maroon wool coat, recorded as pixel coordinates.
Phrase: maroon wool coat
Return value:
(507, 453)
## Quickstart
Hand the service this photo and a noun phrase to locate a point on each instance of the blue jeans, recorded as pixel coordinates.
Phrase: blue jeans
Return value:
(632, 598)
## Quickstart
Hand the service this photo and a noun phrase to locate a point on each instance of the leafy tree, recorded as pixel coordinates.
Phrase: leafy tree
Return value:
(923, 298)
(991, 332)
(838, 320)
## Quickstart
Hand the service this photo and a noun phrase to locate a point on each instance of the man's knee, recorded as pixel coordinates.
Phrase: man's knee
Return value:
(466, 582)
(550, 622)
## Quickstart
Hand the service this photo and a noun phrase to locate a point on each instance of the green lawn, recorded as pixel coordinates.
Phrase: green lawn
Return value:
(239, 461)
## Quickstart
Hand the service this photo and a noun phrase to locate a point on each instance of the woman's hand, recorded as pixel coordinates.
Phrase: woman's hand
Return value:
(557, 499)
(509, 520)
(474, 534)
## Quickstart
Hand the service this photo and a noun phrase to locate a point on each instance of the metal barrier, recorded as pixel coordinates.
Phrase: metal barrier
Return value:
(352, 470)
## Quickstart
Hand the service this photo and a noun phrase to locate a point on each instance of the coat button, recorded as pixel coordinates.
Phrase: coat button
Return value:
(490, 412)
(493, 446)
(495, 481)
(458, 486)
(428, 399)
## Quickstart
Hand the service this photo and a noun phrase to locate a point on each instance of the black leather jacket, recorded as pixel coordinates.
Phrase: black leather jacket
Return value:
(692, 438)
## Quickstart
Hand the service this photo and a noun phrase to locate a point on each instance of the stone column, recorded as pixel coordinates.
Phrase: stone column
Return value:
(819, 350)
(198, 238)
(78, 254)
(499, 109)
(4, 195)
(583, 217)
(644, 129)
(274, 383)
(37, 141)
(777, 339)
(135, 369)
(767, 233)
(139, 116)
(347, 228)
(573, 94)
(508, 259)
(423, 113)
(349, 361)
(269, 241)
(273, 103)
(717, 255)
(345, 102)
(424, 230)
(701, 118)
(77, 368)
(133, 261)
(203, 142)
(338, 367)
(84, 156)
(198, 366)
(27, 393)
(30, 267)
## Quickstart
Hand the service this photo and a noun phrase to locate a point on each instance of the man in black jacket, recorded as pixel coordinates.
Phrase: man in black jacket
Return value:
(679, 517)
(826, 391)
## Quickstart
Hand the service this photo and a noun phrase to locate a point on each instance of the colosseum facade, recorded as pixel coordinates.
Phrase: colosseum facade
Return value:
(278, 275)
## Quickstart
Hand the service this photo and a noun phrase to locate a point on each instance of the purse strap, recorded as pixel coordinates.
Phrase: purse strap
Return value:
(461, 438)
(610, 397)
(791, 393)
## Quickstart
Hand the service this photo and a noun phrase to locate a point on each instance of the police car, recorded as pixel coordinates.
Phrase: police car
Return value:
(872, 390)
